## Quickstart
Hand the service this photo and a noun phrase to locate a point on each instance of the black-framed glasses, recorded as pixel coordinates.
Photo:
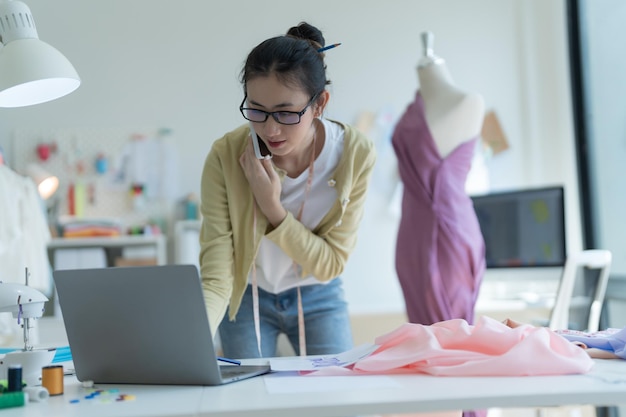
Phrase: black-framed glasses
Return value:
(282, 117)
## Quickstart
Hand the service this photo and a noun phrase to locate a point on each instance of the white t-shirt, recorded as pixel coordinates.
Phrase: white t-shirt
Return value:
(275, 270)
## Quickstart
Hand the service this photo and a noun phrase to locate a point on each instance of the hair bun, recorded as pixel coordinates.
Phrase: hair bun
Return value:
(308, 32)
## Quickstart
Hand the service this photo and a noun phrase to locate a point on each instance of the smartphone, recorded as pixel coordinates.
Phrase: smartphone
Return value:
(260, 148)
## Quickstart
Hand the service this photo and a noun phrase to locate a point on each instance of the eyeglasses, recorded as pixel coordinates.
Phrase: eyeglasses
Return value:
(282, 117)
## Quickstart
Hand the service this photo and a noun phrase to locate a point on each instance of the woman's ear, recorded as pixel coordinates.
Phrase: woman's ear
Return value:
(320, 103)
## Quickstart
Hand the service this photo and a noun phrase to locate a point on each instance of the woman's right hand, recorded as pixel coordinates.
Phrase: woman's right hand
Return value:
(265, 184)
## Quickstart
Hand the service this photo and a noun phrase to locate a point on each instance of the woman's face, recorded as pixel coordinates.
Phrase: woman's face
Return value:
(270, 95)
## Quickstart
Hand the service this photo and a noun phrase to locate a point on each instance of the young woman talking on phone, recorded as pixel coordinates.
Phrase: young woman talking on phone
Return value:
(277, 230)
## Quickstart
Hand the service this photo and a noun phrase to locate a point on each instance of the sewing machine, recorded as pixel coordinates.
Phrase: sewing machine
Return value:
(26, 304)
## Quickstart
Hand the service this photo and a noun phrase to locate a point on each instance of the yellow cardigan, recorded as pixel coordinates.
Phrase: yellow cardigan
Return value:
(227, 246)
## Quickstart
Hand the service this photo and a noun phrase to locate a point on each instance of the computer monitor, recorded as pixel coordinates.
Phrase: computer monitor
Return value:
(523, 228)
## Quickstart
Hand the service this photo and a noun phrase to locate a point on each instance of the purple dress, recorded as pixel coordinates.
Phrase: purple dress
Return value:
(440, 252)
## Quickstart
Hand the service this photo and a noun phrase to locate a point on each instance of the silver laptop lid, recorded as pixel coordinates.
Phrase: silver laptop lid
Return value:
(138, 325)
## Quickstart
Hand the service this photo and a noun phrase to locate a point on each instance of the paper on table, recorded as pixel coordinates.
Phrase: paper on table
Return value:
(315, 362)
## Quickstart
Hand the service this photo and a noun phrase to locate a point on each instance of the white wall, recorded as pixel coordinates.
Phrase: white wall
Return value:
(176, 64)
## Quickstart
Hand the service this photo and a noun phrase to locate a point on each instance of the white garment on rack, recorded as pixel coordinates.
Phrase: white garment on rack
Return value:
(153, 163)
(24, 233)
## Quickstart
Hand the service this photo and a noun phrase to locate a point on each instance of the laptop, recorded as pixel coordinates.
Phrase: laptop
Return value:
(142, 325)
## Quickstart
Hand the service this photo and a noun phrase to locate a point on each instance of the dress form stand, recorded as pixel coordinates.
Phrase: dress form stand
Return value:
(440, 252)
(453, 115)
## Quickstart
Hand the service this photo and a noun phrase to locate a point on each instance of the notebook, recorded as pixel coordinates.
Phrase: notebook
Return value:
(142, 325)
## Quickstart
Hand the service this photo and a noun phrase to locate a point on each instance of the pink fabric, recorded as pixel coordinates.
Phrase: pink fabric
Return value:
(456, 348)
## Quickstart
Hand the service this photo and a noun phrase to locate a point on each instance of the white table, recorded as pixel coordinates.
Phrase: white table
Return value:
(605, 385)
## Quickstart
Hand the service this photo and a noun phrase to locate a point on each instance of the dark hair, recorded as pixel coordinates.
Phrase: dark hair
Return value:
(293, 58)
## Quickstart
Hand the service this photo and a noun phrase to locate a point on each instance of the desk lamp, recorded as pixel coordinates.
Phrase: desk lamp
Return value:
(31, 71)
(47, 184)
(26, 304)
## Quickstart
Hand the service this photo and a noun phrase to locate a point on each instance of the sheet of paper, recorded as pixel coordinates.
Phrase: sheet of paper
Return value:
(312, 363)
(287, 383)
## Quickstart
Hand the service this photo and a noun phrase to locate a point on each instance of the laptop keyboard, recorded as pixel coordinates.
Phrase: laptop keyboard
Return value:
(230, 371)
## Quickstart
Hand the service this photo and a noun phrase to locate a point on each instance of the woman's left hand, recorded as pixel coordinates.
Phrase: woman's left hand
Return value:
(265, 184)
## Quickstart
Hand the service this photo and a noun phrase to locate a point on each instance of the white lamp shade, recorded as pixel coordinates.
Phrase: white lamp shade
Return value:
(33, 72)
(47, 183)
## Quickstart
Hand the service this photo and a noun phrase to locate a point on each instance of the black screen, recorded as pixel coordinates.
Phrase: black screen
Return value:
(523, 228)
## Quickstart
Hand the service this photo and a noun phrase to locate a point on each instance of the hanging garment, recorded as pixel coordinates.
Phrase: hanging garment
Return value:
(24, 236)
(24, 232)
(439, 249)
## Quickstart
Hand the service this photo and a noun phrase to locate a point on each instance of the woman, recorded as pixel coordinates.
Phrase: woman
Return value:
(277, 232)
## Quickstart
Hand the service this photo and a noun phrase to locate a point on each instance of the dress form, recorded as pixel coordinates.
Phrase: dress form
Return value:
(453, 115)
(440, 252)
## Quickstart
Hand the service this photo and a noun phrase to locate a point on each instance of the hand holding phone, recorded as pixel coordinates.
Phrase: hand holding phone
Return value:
(260, 148)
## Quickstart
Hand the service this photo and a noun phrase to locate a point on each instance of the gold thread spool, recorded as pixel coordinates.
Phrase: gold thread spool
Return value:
(52, 379)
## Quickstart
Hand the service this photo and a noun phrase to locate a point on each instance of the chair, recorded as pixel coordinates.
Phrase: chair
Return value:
(596, 259)
(591, 259)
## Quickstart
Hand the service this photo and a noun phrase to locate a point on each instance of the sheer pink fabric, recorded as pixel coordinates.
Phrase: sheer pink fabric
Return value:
(456, 348)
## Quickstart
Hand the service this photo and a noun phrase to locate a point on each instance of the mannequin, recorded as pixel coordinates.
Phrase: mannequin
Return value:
(440, 255)
(440, 252)
(453, 115)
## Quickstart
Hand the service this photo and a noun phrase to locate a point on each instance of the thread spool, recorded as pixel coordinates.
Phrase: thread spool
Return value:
(52, 379)
(12, 399)
(14, 378)
(36, 394)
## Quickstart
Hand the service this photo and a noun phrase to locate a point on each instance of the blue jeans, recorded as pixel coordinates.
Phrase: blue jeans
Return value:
(326, 320)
